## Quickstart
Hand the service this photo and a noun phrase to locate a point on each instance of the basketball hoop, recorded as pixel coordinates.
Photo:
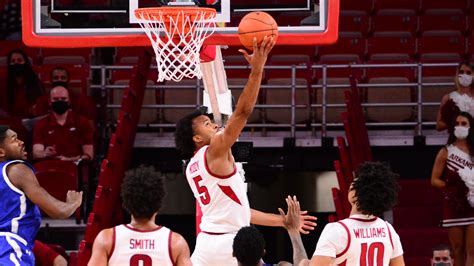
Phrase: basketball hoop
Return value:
(177, 34)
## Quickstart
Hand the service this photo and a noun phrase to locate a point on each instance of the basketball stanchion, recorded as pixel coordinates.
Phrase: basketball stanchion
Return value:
(177, 34)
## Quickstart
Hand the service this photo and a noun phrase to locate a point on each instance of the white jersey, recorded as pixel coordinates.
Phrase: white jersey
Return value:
(359, 240)
(458, 159)
(131, 246)
(223, 199)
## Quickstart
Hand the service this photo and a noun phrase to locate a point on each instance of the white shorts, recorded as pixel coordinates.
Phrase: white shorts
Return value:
(213, 250)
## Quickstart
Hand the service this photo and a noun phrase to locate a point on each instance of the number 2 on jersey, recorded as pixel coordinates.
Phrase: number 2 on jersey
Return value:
(367, 254)
(202, 190)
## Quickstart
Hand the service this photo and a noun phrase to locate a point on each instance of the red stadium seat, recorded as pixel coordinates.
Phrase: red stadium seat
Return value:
(439, 58)
(363, 5)
(398, 4)
(387, 42)
(236, 86)
(57, 177)
(183, 92)
(340, 59)
(354, 20)
(66, 56)
(408, 72)
(441, 42)
(443, 19)
(334, 95)
(394, 20)
(381, 95)
(282, 95)
(457, 4)
(416, 216)
(349, 43)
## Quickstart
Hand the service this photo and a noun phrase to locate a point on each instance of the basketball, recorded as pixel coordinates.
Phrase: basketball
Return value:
(257, 25)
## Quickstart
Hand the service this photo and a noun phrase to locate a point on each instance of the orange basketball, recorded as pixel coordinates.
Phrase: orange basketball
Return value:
(257, 24)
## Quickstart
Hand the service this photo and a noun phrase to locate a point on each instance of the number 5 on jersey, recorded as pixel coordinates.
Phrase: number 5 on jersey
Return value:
(202, 190)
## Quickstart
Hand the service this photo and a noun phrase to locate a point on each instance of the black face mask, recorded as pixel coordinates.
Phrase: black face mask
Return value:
(442, 264)
(59, 84)
(17, 69)
(60, 107)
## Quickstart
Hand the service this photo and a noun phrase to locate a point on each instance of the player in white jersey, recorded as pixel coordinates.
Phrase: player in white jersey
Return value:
(142, 242)
(364, 239)
(212, 173)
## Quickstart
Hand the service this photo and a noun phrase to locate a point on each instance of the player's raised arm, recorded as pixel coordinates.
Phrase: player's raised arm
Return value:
(23, 178)
(221, 143)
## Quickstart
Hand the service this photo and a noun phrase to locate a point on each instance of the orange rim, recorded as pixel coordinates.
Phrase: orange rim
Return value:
(153, 13)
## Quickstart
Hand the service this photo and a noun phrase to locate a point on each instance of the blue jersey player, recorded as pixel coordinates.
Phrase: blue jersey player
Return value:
(20, 197)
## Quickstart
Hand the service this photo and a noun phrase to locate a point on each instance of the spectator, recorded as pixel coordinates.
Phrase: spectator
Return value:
(142, 239)
(79, 102)
(249, 246)
(62, 134)
(23, 86)
(441, 256)
(458, 215)
(460, 100)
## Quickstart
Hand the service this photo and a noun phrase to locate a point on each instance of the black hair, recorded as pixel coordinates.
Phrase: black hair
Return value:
(32, 82)
(375, 187)
(470, 136)
(3, 132)
(58, 68)
(441, 247)
(142, 192)
(249, 246)
(183, 136)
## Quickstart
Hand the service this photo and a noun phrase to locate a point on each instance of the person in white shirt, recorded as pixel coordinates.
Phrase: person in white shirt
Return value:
(142, 241)
(212, 174)
(363, 239)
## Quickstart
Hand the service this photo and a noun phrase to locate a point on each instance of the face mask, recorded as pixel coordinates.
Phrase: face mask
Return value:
(17, 69)
(59, 84)
(442, 264)
(60, 107)
(465, 80)
(461, 132)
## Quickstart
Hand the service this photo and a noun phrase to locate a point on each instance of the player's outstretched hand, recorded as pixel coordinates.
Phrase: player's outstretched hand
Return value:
(259, 56)
(295, 219)
(74, 198)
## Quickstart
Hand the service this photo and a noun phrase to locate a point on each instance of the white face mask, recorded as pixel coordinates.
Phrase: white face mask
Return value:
(465, 80)
(461, 132)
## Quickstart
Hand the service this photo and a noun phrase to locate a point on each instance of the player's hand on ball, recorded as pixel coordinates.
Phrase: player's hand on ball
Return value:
(74, 197)
(259, 56)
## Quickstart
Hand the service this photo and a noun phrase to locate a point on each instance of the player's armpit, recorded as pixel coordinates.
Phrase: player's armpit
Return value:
(180, 250)
(321, 261)
(102, 248)
(397, 261)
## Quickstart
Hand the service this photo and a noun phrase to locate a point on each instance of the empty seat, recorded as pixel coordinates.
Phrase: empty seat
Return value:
(183, 93)
(434, 94)
(435, 71)
(68, 54)
(391, 42)
(300, 61)
(418, 192)
(282, 95)
(398, 94)
(340, 59)
(64, 59)
(441, 42)
(417, 216)
(393, 71)
(348, 43)
(397, 4)
(354, 20)
(394, 20)
(443, 19)
(431, 4)
(147, 115)
(236, 86)
(364, 5)
(334, 95)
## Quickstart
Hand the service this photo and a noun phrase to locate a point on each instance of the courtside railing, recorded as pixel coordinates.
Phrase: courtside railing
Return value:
(322, 106)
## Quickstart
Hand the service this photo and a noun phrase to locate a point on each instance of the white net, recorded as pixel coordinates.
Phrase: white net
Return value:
(177, 35)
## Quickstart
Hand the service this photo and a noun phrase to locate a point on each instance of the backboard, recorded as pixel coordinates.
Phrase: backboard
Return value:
(101, 23)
